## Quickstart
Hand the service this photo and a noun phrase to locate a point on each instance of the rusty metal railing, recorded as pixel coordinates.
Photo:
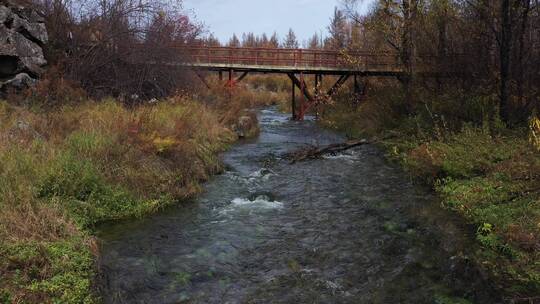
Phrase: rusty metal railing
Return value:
(301, 58)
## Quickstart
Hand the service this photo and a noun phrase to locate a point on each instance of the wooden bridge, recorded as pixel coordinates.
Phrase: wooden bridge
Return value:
(296, 63)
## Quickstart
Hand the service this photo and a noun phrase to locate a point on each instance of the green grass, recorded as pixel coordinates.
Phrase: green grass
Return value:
(66, 171)
(60, 271)
(492, 182)
(486, 173)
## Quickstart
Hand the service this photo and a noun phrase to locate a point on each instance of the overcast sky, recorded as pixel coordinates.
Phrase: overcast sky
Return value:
(225, 17)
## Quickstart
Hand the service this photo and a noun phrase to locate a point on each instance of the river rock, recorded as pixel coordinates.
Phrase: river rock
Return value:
(22, 130)
(246, 126)
(20, 81)
(22, 37)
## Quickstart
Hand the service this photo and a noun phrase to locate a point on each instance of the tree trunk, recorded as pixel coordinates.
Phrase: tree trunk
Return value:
(505, 55)
(407, 49)
(442, 24)
(521, 52)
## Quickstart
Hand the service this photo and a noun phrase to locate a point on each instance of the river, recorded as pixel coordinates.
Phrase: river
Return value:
(348, 228)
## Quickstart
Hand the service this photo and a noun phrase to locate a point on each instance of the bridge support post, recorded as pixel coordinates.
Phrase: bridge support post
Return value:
(302, 110)
(342, 79)
(360, 89)
(357, 91)
(201, 77)
(242, 76)
(301, 84)
(318, 81)
(293, 100)
(230, 83)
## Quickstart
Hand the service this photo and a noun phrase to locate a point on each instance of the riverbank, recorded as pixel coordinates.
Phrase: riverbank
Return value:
(65, 171)
(486, 173)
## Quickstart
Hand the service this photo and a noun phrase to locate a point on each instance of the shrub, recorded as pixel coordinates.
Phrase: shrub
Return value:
(372, 117)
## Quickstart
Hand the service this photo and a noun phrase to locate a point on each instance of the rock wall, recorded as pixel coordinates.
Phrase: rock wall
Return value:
(22, 37)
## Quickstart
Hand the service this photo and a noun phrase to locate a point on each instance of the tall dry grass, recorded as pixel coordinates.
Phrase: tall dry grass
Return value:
(64, 171)
(234, 101)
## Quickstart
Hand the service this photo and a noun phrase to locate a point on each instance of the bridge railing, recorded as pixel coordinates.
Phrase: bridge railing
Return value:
(302, 58)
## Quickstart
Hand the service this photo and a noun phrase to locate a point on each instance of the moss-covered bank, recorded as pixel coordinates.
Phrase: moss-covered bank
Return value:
(486, 173)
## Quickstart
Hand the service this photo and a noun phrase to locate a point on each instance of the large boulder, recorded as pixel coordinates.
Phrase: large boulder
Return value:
(22, 37)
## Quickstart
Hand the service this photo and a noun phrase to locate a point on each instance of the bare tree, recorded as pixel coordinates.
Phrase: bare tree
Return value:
(395, 21)
(119, 47)
(234, 41)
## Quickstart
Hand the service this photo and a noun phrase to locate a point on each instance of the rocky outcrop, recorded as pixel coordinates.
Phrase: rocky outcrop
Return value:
(22, 37)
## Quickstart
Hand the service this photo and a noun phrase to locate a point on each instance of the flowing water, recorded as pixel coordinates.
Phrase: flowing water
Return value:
(348, 228)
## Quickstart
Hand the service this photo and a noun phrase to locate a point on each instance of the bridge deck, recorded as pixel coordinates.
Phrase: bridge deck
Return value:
(296, 61)
(294, 69)
(293, 62)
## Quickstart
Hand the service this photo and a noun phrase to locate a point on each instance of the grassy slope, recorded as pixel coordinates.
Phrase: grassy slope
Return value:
(64, 172)
(490, 178)
(492, 181)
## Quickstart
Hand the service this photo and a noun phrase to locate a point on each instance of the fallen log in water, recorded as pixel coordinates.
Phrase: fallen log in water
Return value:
(314, 152)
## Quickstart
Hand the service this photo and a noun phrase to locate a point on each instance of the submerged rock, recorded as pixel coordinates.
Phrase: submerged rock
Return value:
(246, 126)
(22, 37)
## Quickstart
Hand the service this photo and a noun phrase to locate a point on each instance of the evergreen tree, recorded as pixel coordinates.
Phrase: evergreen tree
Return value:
(262, 41)
(211, 41)
(234, 41)
(274, 41)
(290, 41)
(314, 42)
(339, 35)
(355, 39)
(249, 40)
